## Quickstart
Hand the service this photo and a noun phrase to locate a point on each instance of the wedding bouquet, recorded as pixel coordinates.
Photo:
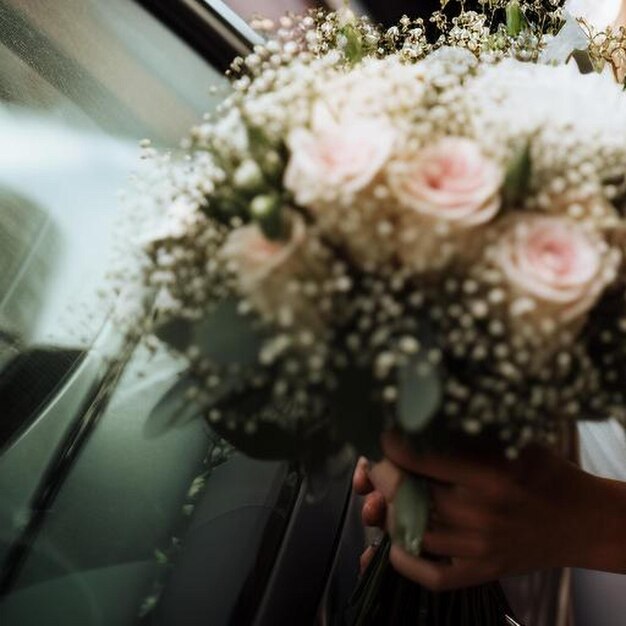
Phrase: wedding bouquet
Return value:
(381, 230)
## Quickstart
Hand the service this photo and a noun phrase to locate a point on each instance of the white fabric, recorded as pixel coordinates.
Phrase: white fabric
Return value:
(603, 449)
(600, 13)
(600, 598)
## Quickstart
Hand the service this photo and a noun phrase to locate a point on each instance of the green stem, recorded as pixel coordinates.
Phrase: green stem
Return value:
(411, 506)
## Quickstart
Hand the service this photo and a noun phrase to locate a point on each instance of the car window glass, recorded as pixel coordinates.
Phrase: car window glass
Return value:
(81, 82)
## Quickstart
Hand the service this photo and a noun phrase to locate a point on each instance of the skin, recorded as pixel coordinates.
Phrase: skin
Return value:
(493, 518)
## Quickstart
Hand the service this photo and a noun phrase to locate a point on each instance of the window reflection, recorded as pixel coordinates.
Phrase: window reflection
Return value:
(81, 82)
(28, 240)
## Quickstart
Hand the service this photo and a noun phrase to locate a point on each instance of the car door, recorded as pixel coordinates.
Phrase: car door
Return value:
(118, 505)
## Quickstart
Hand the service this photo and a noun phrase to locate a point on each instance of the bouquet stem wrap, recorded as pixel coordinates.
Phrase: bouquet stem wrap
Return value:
(385, 598)
(411, 508)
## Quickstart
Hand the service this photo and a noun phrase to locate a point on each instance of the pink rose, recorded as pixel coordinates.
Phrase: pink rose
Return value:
(253, 256)
(264, 269)
(451, 181)
(444, 191)
(336, 158)
(560, 265)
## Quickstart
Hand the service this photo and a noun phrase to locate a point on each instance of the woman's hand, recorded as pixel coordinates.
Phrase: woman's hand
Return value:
(492, 518)
(373, 510)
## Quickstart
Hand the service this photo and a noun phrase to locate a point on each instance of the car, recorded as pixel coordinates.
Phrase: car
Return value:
(118, 504)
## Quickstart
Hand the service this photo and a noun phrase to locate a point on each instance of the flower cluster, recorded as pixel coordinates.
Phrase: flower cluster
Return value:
(375, 231)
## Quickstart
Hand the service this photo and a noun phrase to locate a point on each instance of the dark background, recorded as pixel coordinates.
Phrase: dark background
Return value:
(385, 11)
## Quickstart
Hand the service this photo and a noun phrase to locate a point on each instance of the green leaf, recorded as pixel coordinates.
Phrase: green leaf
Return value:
(227, 338)
(161, 557)
(517, 178)
(223, 336)
(411, 507)
(419, 393)
(225, 205)
(515, 20)
(267, 211)
(353, 48)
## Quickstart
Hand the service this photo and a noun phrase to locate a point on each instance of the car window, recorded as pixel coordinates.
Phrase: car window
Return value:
(156, 523)
(118, 506)
(81, 83)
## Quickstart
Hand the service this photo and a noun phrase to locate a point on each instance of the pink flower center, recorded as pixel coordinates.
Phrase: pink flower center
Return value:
(347, 153)
(556, 256)
(557, 253)
(450, 173)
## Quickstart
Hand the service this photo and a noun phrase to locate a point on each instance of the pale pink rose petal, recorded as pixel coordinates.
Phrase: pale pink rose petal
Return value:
(559, 263)
(451, 180)
(264, 268)
(254, 256)
(338, 159)
(444, 191)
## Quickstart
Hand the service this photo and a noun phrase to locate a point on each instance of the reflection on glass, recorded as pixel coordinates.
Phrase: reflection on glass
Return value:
(28, 248)
(27, 245)
(81, 82)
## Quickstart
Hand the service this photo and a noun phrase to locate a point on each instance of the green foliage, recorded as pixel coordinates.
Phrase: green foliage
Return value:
(256, 424)
(518, 175)
(353, 49)
(515, 16)
(225, 205)
(419, 394)
(267, 211)
(515, 20)
(412, 506)
(224, 336)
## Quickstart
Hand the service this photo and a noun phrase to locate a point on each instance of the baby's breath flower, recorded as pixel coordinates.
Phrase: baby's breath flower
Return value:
(383, 204)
